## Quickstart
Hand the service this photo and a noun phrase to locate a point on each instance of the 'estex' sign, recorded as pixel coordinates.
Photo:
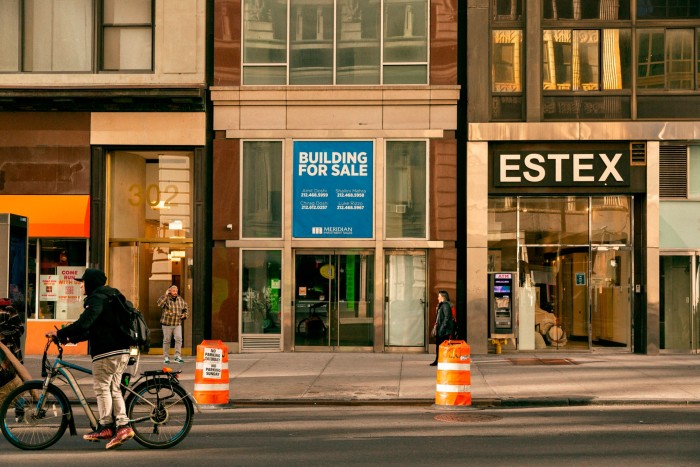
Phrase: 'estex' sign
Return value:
(584, 168)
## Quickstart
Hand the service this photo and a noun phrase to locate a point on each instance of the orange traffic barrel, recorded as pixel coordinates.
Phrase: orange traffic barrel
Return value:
(211, 382)
(453, 386)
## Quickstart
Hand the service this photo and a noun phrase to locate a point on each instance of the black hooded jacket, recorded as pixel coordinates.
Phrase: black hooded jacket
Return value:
(99, 322)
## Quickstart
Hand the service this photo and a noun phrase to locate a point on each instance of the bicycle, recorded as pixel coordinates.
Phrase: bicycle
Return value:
(36, 414)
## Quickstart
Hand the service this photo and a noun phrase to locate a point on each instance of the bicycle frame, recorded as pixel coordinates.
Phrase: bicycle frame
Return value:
(63, 369)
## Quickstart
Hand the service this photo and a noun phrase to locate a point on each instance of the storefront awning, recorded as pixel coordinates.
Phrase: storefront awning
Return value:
(51, 215)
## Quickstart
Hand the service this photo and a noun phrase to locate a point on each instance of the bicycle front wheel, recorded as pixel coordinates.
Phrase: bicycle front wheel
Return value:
(160, 413)
(28, 425)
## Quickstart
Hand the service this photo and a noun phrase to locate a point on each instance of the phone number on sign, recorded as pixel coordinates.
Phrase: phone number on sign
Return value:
(359, 208)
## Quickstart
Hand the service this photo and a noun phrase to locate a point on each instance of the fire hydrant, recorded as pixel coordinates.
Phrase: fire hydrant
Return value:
(499, 343)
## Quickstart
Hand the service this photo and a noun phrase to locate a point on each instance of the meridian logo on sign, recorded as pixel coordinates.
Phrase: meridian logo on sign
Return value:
(594, 168)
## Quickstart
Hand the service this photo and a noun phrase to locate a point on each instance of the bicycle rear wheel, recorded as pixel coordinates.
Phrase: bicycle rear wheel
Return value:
(160, 413)
(28, 427)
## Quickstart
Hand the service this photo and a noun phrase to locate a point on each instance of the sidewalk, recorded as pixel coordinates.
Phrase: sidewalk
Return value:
(509, 379)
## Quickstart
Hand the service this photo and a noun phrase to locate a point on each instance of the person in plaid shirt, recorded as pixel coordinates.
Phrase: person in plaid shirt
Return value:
(174, 310)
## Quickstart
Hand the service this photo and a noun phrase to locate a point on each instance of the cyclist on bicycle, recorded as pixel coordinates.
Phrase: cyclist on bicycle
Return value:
(109, 348)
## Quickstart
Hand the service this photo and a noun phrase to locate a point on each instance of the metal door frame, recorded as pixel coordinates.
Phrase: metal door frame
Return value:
(332, 299)
(694, 280)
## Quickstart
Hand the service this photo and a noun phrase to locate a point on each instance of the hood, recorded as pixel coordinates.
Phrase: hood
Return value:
(93, 278)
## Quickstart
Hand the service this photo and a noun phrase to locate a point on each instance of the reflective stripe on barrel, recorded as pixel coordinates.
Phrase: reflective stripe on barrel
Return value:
(453, 380)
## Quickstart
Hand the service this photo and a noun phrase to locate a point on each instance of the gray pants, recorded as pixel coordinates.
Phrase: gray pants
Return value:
(106, 377)
(168, 333)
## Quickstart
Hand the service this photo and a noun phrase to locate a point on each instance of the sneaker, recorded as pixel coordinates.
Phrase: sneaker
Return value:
(124, 433)
(166, 360)
(179, 360)
(99, 434)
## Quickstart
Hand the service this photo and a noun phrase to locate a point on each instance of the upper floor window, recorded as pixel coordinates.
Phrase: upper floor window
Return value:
(587, 9)
(507, 10)
(48, 36)
(127, 35)
(677, 9)
(307, 42)
(586, 60)
(666, 59)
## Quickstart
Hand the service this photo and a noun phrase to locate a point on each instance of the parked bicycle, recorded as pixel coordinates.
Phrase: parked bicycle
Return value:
(36, 414)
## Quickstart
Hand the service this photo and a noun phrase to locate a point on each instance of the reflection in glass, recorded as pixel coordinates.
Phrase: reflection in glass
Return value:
(617, 58)
(53, 40)
(261, 291)
(506, 61)
(358, 42)
(571, 60)
(59, 261)
(262, 189)
(508, 10)
(650, 59)
(405, 308)
(405, 31)
(9, 35)
(311, 42)
(676, 308)
(587, 9)
(264, 31)
(406, 193)
(679, 55)
(502, 239)
(610, 220)
(681, 9)
(551, 221)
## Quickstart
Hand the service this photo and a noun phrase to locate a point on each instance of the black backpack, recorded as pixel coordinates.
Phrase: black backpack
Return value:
(132, 323)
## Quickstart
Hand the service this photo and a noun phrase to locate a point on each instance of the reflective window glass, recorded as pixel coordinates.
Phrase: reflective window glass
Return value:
(650, 9)
(56, 293)
(261, 190)
(261, 292)
(502, 229)
(506, 61)
(406, 189)
(551, 221)
(610, 220)
(587, 9)
(9, 35)
(405, 31)
(617, 59)
(650, 59)
(505, 10)
(264, 31)
(311, 42)
(358, 49)
(679, 55)
(127, 38)
(53, 40)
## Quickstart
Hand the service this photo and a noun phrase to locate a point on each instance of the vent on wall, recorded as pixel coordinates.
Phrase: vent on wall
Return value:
(638, 153)
(261, 343)
(673, 172)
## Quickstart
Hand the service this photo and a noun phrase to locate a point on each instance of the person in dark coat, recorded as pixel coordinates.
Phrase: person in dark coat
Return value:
(109, 348)
(444, 324)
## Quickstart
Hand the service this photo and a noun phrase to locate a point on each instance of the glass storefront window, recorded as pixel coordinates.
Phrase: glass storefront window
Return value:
(610, 220)
(551, 221)
(261, 292)
(150, 230)
(261, 181)
(406, 189)
(53, 264)
(502, 228)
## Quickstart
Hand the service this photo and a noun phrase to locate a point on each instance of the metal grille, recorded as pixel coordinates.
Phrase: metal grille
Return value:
(639, 153)
(673, 172)
(263, 343)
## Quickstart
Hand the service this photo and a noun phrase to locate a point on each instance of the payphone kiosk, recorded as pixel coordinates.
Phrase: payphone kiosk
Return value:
(501, 304)
(13, 263)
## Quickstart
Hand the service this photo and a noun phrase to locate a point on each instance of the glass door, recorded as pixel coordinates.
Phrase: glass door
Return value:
(678, 320)
(333, 304)
(405, 307)
(611, 297)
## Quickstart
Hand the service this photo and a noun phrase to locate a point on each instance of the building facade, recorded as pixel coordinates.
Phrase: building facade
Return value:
(583, 124)
(334, 188)
(102, 148)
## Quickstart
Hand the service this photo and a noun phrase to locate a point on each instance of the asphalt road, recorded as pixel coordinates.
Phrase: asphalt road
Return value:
(364, 435)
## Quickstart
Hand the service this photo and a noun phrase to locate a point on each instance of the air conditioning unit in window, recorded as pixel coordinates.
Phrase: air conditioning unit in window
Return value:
(400, 208)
